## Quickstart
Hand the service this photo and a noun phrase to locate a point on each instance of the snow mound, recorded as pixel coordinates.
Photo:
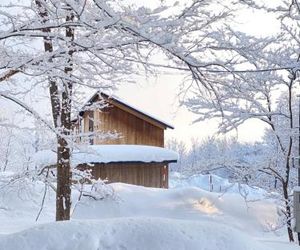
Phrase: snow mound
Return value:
(130, 234)
(187, 203)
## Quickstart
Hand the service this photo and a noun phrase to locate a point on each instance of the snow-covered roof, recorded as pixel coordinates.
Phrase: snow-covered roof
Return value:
(109, 154)
(125, 104)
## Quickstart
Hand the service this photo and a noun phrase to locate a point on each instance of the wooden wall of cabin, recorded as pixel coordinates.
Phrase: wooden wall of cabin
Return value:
(132, 129)
(144, 174)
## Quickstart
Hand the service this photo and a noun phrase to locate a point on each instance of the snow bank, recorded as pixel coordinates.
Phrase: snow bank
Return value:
(186, 203)
(131, 234)
(214, 183)
(110, 153)
(138, 218)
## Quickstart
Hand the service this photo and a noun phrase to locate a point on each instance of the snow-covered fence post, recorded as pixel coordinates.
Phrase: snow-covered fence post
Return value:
(211, 185)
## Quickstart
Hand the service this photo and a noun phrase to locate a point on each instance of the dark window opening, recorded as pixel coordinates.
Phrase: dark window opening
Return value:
(91, 127)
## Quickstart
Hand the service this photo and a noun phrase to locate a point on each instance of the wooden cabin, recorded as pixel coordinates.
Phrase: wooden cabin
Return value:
(127, 125)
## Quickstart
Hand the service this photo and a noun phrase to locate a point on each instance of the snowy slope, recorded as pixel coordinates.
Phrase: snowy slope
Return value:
(141, 218)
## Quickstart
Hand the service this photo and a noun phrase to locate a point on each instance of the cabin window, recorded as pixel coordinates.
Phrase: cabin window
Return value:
(81, 128)
(91, 127)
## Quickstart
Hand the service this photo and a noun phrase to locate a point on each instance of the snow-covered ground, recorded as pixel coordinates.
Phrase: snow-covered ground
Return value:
(141, 218)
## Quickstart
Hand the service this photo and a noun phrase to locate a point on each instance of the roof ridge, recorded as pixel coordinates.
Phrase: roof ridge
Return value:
(124, 103)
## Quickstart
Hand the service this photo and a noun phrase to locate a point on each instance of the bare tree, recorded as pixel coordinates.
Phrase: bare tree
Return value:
(262, 85)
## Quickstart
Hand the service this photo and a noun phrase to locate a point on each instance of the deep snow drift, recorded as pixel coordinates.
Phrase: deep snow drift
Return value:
(140, 218)
(131, 233)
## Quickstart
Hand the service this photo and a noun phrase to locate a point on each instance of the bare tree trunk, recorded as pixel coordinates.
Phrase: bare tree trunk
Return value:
(288, 153)
(63, 194)
(61, 112)
(288, 165)
(288, 212)
(285, 185)
(48, 47)
(7, 152)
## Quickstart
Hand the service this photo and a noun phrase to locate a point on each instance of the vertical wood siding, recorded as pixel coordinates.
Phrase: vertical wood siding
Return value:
(144, 174)
(132, 129)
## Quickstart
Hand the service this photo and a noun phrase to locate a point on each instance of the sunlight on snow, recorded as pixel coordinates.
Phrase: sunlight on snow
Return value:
(205, 206)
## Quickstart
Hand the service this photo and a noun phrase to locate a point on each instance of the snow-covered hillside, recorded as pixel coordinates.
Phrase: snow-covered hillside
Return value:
(140, 218)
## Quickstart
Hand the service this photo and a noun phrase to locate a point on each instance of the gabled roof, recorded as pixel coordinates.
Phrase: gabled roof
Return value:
(115, 101)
